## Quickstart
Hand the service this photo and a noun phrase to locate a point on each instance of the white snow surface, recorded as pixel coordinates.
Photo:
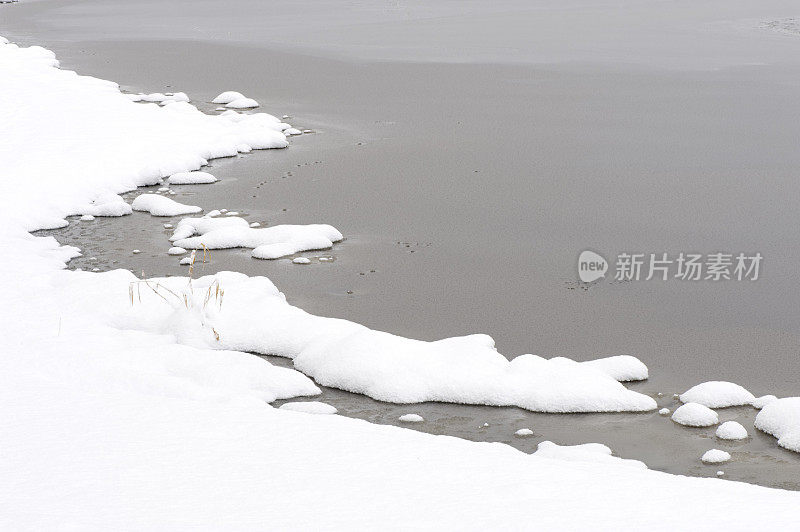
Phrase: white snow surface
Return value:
(585, 452)
(123, 413)
(731, 430)
(242, 103)
(623, 368)
(764, 400)
(191, 178)
(715, 456)
(695, 415)
(228, 97)
(718, 394)
(309, 407)
(162, 206)
(267, 242)
(411, 418)
(781, 419)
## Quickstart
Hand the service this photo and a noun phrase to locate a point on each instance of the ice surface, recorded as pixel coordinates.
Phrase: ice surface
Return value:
(309, 407)
(162, 206)
(718, 394)
(695, 415)
(731, 430)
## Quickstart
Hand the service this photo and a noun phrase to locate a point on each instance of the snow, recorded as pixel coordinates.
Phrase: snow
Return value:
(715, 456)
(161, 206)
(301, 260)
(191, 178)
(764, 400)
(524, 432)
(267, 243)
(186, 261)
(718, 394)
(586, 452)
(176, 251)
(255, 224)
(242, 103)
(129, 413)
(623, 368)
(87, 218)
(309, 407)
(228, 97)
(695, 415)
(411, 418)
(664, 411)
(731, 430)
(781, 419)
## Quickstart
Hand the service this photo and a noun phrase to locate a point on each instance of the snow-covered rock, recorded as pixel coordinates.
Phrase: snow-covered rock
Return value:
(764, 400)
(715, 456)
(695, 415)
(718, 394)
(228, 97)
(781, 419)
(411, 418)
(191, 178)
(731, 430)
(309, 407)
(161, 206)
(586, 452)
(623, 368)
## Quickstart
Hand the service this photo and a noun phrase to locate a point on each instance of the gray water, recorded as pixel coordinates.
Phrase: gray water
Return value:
(467, 189)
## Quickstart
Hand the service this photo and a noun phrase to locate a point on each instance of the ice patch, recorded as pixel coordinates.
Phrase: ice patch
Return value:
(161, 206)
(695, 415)
(191, 178)
(309, 407)
(718, 394)
(586, 452)
(715, 456)
(781, 419)
(411, 418)
(731, 430)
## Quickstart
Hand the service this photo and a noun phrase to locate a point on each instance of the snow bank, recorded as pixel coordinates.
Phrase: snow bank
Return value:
(309, 407)
(162, 206)
(695, 415)
(411, 418)
(586, 452)
(191, 178)
(623, 368)
(781, 419)
(267, 242)
(718, 394)
(715, 456)
(731, 430)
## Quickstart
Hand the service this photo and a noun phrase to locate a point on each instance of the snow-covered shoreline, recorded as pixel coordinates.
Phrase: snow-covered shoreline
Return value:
(124, 416)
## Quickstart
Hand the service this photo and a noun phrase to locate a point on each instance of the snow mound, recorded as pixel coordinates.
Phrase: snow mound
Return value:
(764, 400)
(301, 260)
(87, 218)
(718, 394)
(242, 103)
(267, 243)
(162, 206)
(309, 407)
(176, 251)
(695, 415)
(524, 432)
(228, 97)
(715, 456)
(781, 419)
(731, 430)
(191, 178)
(411, 418)
(623, 368)
(586, 452)
(664, 411)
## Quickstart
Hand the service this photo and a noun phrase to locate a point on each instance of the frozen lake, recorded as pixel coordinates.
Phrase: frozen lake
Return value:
(469, 151)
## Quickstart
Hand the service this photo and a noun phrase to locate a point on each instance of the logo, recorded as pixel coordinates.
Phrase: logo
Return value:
(591, 266)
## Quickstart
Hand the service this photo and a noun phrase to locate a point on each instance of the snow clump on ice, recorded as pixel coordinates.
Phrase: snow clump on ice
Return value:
(411, 418)
(191, 178)
(781, 419)
(764, 400)
(695, 415)
(524, 432)
(715, 456)
(309, 407)
(718, 394)
(586, 452)
(731, 430)
(161, 206)
(623, 368)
